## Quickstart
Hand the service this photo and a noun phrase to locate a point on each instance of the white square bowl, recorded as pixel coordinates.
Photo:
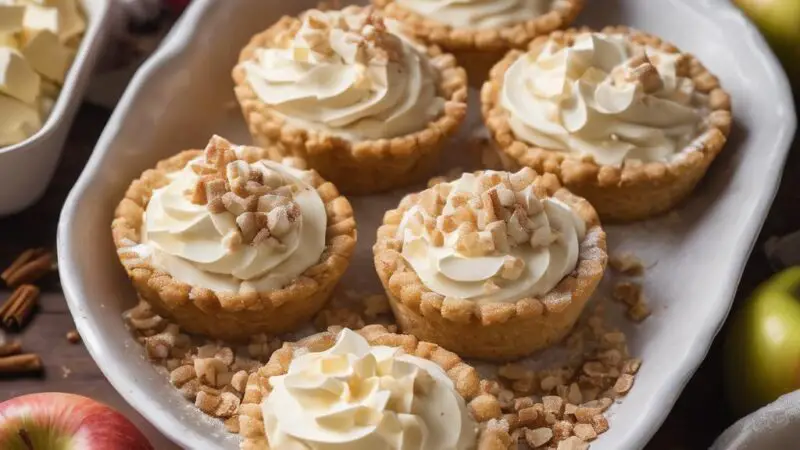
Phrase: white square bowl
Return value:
(184, 94)
(26, 167)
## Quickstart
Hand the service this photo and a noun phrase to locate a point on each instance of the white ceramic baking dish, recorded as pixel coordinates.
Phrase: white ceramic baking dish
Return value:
(26, 167)
(184, 94)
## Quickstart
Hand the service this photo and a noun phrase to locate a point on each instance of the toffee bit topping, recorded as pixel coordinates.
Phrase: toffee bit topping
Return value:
(627, 264)
(363, 30)
(385, 46)
(260, 199)
(505, 212)
(639, 69)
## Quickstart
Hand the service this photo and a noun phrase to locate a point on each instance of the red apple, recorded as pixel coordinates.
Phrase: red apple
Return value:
(55, 421)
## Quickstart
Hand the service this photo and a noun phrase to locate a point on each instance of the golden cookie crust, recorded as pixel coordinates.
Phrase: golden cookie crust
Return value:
(380, 165)
(562, 13)
(478, 50)
(634, 191)
(493, 434)
(493, 330)
(233, 316)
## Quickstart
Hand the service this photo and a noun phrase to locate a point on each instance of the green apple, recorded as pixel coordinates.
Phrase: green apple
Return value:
(779, 21)
(762, 347)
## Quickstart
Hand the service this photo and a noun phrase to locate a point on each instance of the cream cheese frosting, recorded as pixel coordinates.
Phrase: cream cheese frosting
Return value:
(478, 14)
(346, 73)
(37, 45)
(489, 242)
(363, 397)
(604, 97)
(245, 237)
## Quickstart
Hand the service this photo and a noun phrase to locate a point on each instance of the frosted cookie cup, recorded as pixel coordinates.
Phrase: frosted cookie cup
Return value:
(493, 265)
(371, 390)
(480, 32)
(623, 118)
(368, 109)
(229, 243)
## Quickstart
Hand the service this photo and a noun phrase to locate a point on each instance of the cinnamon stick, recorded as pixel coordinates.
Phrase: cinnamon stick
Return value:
(16, 311)
(26, 363)
(29, 266)
(10, 348)
(24, 258)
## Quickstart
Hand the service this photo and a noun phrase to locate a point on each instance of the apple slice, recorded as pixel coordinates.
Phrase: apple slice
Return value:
(56, 421)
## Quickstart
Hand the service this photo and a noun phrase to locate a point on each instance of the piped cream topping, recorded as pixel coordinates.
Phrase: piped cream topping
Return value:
(605, 97)
(347, 73)
(231, 226)
(494, 237)
(361, 397)
(478, 14)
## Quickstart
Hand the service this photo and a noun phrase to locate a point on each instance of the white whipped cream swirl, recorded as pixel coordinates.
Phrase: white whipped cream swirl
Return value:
(358, 397)
(602, 97)
(192, 244)
(347, 74)
(544, 253)
(478, 14)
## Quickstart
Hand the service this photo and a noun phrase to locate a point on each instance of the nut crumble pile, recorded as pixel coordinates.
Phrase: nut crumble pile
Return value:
(558, 408)
(563, 407)
(212, 375)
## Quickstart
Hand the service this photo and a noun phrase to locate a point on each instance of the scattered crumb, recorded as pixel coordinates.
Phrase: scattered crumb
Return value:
(65, 372)
(339, 316)
(354, 310)
(627, 292)
(639, 312)
(627, 264)
(73, 337)
(632, 296)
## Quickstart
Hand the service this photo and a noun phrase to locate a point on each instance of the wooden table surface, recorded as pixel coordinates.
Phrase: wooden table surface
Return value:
(68, 367)
(699, 416)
